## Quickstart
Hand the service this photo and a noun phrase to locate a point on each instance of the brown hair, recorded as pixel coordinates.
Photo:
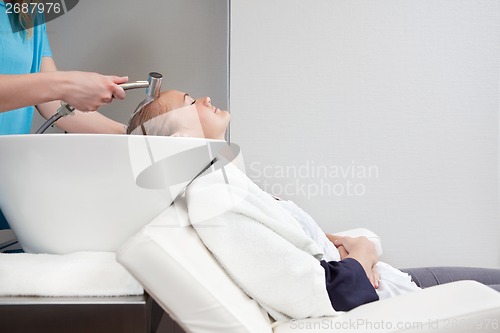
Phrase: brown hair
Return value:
(149, 112)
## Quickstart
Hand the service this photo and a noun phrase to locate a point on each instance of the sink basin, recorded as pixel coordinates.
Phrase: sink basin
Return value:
(83, 192)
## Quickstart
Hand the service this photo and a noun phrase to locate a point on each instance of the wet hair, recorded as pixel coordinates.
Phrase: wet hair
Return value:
(152, 119)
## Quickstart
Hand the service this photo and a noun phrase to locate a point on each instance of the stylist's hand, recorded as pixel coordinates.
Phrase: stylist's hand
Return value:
(89, 91)
(360, 249)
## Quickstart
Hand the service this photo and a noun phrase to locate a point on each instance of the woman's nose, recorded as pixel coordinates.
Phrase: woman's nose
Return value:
(207, 101)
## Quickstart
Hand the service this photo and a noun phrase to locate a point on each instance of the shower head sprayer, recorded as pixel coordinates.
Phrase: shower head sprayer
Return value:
(152, 92)
(154, 80)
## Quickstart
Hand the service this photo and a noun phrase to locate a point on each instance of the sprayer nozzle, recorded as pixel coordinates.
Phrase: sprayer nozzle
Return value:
(152, 92)
(154, 80)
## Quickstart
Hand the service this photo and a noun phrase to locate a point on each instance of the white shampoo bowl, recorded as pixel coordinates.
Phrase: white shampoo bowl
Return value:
(82, 192)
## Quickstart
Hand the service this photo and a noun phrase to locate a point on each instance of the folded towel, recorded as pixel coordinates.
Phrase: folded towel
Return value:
(260, 245)
(75, 274)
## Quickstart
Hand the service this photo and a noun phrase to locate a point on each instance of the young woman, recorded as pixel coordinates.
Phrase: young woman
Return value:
(176, 113)
(352, 271)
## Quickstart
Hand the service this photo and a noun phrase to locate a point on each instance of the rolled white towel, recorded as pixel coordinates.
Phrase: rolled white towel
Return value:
(75, 274)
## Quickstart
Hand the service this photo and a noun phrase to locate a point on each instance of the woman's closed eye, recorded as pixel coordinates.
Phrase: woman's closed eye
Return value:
(188, 100)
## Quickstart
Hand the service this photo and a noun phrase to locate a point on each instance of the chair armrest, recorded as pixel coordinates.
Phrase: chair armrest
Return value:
(430, 276)
(358, 232)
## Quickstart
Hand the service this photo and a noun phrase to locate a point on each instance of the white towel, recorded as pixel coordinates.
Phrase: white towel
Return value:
(76, 274)
(260, 245)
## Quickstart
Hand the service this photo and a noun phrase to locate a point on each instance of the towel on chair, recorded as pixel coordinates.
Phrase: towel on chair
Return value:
(260, 245)
(75, 274)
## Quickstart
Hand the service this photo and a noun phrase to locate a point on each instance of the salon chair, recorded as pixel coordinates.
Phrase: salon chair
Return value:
(178, 271)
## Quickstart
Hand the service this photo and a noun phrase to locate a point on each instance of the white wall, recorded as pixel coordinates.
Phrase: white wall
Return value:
(185, 40)
(405, 89)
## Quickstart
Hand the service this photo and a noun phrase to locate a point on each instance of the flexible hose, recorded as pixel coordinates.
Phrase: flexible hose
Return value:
(64, 110)
(49, 123)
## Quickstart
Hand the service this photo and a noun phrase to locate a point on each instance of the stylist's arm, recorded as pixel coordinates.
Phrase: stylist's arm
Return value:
(84, 91)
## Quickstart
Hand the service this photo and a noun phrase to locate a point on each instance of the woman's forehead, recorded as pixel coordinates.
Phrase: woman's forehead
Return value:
(175, 97)
(174, 94)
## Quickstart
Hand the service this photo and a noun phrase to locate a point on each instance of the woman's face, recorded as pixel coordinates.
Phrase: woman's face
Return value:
(213, 121)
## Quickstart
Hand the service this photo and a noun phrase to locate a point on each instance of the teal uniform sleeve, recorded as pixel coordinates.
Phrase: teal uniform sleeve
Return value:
(46, 51)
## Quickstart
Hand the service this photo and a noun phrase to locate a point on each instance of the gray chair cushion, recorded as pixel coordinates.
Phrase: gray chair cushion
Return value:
(430, 276)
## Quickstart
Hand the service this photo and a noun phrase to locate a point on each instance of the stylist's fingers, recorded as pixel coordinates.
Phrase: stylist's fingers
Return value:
(118, 79)
(117, 91)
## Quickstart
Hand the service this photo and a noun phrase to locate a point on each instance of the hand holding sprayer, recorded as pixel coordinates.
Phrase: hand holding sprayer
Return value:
(152, 85)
